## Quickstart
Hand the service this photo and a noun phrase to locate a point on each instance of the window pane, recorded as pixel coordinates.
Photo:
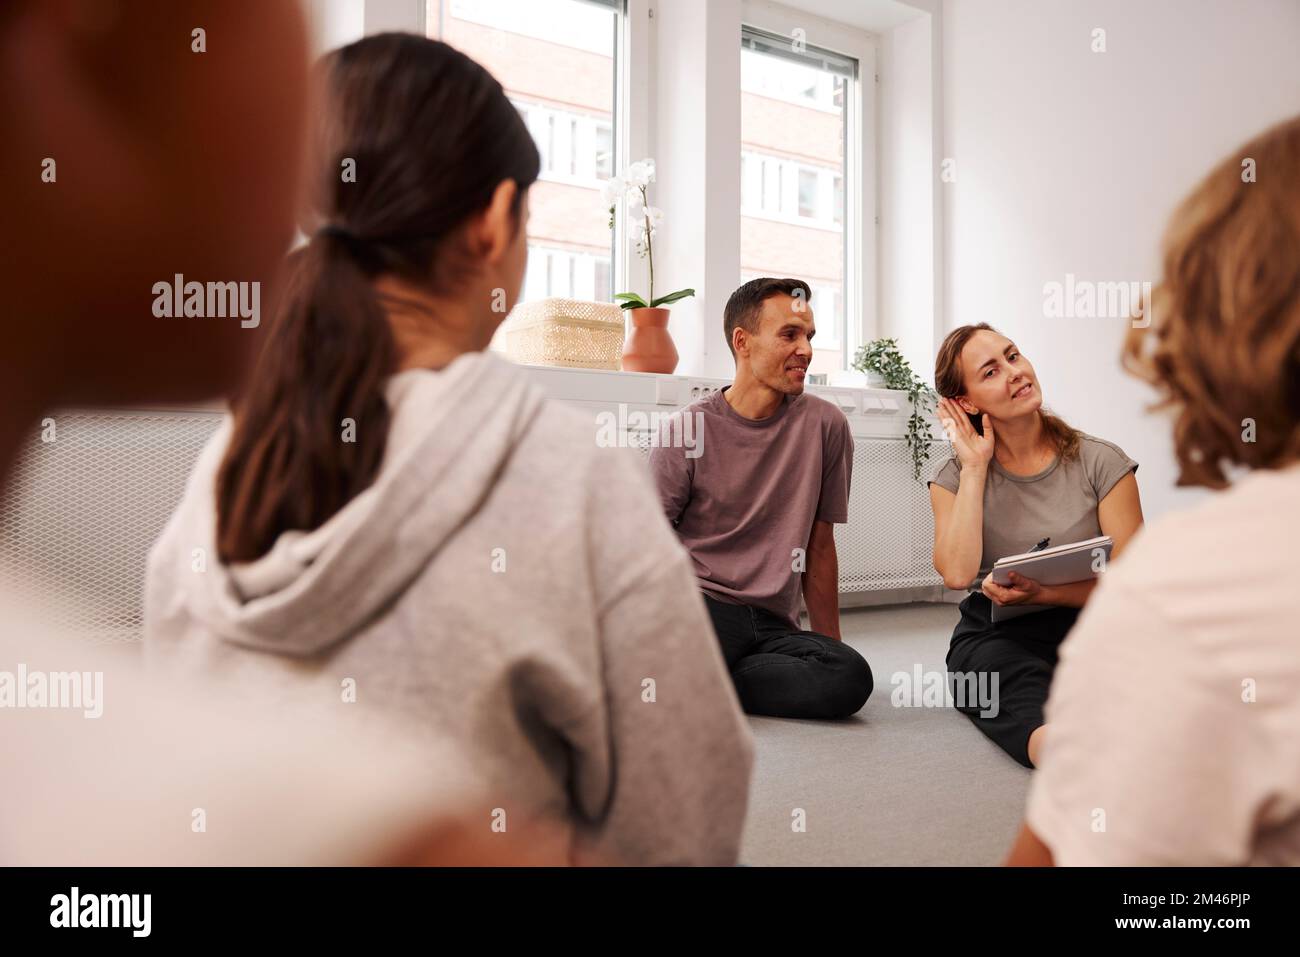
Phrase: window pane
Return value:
(557, 62)
(808, 193)
(794, 108)
(604, 158)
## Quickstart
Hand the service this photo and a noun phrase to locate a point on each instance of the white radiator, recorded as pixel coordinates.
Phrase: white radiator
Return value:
(83, 510)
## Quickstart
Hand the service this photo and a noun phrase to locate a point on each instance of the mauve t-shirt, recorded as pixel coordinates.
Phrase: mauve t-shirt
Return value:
(743, 493)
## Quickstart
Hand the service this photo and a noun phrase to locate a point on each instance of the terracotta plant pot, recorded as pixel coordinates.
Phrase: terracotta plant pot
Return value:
(649, 347)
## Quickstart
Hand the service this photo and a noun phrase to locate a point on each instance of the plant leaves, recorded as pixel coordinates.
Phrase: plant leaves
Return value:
(883, 357)
(632, 300)
(673, 297)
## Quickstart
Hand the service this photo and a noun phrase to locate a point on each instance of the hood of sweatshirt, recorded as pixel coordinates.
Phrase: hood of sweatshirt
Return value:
(452, 433)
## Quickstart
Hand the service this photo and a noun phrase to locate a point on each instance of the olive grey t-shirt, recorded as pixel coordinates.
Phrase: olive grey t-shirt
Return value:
(743, 493)
(1059, 502)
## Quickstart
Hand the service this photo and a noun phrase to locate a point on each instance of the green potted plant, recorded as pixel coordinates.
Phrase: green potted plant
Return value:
(649, 347)
(881, 360)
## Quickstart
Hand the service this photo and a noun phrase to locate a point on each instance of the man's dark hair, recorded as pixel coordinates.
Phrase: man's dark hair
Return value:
(746, 303)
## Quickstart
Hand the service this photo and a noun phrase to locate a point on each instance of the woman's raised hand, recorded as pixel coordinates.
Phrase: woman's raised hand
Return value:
(973, 450)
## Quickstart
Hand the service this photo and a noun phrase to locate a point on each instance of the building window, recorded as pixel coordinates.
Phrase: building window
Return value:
(571, 113)
(794, 113)
(808, 193)
(604, 151)
(567, 273)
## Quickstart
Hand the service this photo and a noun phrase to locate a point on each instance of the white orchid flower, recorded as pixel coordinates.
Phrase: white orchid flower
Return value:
(641, 173)
(612, 190)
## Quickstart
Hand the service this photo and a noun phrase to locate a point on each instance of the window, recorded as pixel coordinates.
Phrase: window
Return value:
(794, 112)
(808, 193)
(558, 62)
(569, 273)
(604, 151)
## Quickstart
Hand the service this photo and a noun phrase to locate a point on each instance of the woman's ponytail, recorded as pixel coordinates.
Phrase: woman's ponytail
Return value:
(310, 429)
(427, 136)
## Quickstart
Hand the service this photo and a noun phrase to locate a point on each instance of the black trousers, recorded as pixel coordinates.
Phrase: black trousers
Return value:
(1021, 654)
(785, 673)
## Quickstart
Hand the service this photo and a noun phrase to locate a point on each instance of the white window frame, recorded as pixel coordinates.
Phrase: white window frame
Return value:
(861, 186)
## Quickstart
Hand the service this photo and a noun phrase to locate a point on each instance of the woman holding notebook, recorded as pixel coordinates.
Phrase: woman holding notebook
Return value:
(1018, 476)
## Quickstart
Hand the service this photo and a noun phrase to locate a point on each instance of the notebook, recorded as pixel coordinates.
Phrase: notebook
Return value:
(1058, 565)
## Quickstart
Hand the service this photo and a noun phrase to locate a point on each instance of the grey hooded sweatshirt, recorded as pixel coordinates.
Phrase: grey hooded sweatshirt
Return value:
(504, 586)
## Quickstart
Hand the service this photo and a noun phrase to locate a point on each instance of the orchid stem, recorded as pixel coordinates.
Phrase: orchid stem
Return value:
(649, 247)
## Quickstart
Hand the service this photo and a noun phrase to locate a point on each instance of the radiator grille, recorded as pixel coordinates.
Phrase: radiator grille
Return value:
(82, 511)
(889, 539)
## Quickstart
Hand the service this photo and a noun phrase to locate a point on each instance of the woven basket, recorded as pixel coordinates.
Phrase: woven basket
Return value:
(565, 332)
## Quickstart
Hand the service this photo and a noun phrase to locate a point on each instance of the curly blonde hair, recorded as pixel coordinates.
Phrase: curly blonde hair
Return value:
(1222, 347)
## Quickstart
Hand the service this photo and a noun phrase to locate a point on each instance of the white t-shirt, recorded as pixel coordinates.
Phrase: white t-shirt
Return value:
(1174, 718)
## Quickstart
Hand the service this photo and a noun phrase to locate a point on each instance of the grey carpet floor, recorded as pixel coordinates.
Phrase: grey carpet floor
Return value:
(892, 785)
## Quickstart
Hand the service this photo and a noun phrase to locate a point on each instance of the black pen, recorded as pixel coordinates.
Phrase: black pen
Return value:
(1041, 545)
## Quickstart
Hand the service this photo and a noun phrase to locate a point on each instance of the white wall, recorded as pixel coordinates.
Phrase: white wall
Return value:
(1071, 161)
(334, 23)
(910, 271)
(697, 155)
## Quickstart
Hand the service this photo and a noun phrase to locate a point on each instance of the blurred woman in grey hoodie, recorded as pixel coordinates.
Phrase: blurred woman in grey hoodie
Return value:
(394, 520)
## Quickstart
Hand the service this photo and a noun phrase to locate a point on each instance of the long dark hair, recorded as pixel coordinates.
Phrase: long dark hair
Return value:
(948, 383)
(412, 138)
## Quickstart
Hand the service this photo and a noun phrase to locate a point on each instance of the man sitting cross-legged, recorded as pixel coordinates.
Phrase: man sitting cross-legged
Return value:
(753, 478)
